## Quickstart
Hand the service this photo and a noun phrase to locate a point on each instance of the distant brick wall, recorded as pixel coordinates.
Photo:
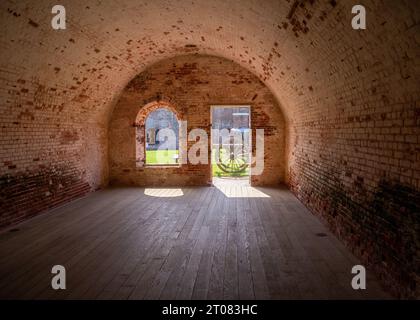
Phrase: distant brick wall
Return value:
(192, 84)
(354, 133)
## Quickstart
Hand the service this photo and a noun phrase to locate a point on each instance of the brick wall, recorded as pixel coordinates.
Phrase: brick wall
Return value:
(191, 84)
(47, 151)
(350, 100)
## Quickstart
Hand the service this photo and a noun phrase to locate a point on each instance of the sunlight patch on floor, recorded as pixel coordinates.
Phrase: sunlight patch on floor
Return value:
(163, 192)
(232, 191)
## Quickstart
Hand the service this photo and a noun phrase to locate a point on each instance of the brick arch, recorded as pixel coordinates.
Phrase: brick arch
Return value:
(153, 105)
(140, 125)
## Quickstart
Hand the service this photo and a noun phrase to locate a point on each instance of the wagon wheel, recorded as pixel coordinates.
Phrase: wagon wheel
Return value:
(232, 163)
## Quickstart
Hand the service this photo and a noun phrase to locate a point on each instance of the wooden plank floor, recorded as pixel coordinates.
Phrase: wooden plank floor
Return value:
(226, 242)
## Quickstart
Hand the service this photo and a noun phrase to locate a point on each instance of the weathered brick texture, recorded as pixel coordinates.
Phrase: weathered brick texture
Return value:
(353, 138)
(47, 149)
(191, 85)
(350, 101)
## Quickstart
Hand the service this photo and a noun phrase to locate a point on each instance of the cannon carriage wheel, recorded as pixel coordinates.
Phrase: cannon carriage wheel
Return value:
(235, 161)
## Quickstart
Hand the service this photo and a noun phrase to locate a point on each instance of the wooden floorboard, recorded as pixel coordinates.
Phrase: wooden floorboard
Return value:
(222, 242)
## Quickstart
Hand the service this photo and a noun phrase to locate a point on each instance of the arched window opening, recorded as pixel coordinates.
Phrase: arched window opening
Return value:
(162, 138)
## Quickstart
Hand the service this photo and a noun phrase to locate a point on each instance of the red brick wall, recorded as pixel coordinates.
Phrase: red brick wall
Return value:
(350, 100)
(353, 136)
(50, 154)
(192, 84)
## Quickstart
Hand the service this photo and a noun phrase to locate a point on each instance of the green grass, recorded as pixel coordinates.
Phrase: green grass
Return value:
(160, 156)
(219, 173)
(166, 157)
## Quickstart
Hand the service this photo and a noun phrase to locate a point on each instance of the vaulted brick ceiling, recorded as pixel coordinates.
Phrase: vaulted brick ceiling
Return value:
(350, 98)
(302, 52)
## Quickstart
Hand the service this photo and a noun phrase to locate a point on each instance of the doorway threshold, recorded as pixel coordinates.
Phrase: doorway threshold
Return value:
(231, 181)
